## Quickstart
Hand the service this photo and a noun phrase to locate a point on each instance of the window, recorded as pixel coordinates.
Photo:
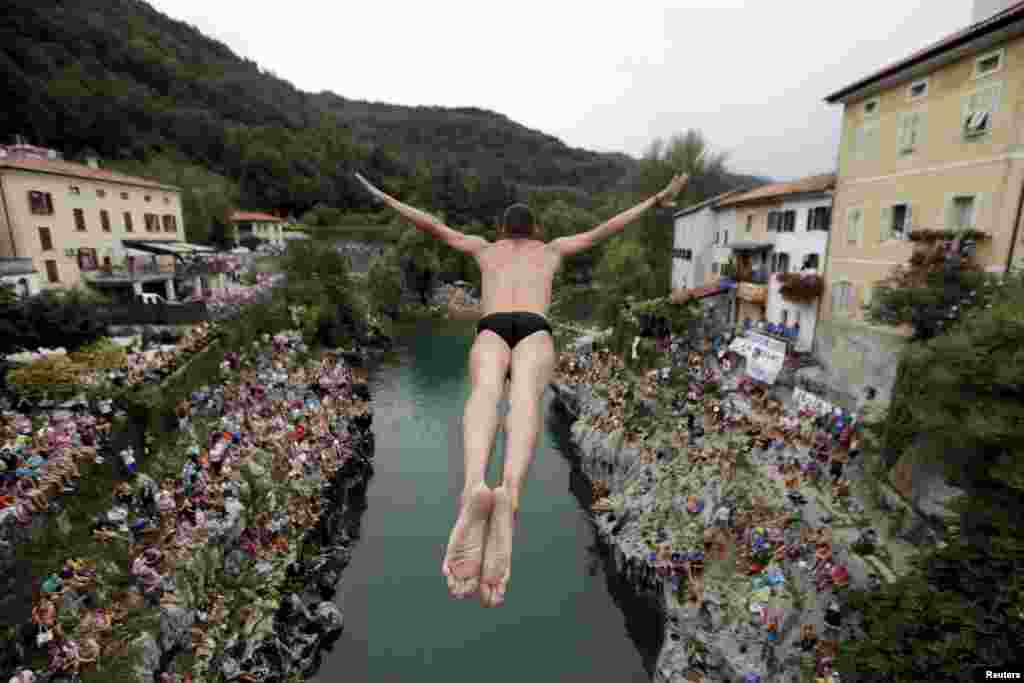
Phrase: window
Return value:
(74, 189)
(750, 223)
(152, 222)
(101, 193)
(811, 262)
(725, 238)
(917, 90)
(716, 237)
(910, 132)
(871, 108)
(854, 226)
(962, 213)
(714, 268)
(41, 203)
(45, 239)
(170, 223)
(124, 195)
(842, 297)
(895, 222)
(988, 64)
(865, 142)
(167, 200)
(819, 218)
(148, 198)
(128, 222)
(79, 220)
(105, 220)
(87, 260)
(780, 262)
(787, 221)
(785, 318)
(52, 274)
(979, 109)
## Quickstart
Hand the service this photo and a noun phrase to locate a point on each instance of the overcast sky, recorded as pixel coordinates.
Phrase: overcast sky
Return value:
(751, 74)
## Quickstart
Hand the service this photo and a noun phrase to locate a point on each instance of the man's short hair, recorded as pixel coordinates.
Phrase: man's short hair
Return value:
(518, 222)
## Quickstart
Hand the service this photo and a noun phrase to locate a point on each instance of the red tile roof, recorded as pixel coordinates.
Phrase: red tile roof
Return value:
(996, 21)
(72, 170)
(683, 295)
(244, 216)
(817, 183)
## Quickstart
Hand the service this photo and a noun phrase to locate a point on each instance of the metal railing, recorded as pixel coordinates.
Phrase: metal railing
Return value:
(758, 277)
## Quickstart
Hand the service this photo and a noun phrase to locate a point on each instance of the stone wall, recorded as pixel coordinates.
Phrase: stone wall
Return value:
(854, 357)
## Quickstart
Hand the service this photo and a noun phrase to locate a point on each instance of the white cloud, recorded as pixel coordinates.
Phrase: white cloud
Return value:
(751, 74)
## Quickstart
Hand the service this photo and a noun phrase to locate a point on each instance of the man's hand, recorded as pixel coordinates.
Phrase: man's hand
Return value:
(667, 196)
(378, 194)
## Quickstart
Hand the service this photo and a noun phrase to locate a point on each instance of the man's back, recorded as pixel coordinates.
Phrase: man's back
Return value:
(517, 275)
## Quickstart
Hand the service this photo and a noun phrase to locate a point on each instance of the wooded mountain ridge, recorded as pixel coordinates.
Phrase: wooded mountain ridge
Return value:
(119, 78)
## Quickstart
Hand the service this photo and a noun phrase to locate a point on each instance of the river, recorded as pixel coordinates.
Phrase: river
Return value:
(564, 618)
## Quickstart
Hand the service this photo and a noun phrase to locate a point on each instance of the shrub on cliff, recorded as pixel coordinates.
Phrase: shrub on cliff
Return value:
(963, 604)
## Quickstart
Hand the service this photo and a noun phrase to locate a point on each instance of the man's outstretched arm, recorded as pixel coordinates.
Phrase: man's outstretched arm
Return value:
(574, 244)
(469, 244)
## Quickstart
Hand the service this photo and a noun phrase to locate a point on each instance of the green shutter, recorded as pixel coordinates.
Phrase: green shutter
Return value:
(950, 222)
(982, 221)
(885, 226)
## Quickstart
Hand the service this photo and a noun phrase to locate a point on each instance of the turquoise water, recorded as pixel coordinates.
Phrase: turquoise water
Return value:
(561, 621)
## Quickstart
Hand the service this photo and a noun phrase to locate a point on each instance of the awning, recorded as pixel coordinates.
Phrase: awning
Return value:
(751, 246)
(169, 247)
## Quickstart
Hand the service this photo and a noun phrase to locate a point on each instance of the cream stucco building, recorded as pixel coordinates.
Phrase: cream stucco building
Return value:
(71, 222)
(933, 142)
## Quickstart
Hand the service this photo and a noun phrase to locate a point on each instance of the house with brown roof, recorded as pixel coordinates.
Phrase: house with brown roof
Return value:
(63, 225)
(260, 225)
(780, 233)
(932, 142)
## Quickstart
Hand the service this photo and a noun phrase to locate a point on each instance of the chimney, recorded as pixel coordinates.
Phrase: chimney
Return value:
(986, 9)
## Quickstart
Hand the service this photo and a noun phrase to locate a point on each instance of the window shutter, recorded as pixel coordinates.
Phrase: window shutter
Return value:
(885, 228)
(951, 218)
(909, 224)
(982, 221)
(919, 128)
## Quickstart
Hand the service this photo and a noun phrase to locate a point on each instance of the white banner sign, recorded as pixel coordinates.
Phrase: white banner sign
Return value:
(807, 400)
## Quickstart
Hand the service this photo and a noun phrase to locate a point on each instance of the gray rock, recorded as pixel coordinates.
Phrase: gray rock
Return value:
(145, 670)
(230, 668)
(235, 562)
(175, 623)
(329, 617)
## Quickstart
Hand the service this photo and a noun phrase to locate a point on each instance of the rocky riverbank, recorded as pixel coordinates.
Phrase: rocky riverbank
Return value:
(224, 570)
(749, 561)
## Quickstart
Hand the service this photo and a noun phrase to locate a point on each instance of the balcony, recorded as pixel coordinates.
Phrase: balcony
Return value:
(119, 275)
(757, 277)
(752, 293)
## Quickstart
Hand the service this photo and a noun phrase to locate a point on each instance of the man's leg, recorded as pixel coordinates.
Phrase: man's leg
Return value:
(488, 363)
(533, 361)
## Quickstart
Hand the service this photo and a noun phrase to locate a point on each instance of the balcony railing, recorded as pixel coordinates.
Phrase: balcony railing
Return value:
(759, 277)
(140, 272)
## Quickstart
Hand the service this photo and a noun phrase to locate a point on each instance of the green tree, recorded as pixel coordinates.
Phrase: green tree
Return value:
(963, 605)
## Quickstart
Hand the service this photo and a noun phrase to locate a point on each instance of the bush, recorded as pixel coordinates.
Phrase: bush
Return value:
(50, 320)
(384, 284)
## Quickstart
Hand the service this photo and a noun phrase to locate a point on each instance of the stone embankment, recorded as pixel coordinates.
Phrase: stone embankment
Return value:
(745, 559)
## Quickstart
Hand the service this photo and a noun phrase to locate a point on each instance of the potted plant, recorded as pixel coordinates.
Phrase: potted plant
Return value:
(801, 288)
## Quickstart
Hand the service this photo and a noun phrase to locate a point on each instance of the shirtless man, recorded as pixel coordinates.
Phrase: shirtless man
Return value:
(514, 343)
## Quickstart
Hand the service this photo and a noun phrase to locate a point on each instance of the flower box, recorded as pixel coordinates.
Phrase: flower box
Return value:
(801, 288)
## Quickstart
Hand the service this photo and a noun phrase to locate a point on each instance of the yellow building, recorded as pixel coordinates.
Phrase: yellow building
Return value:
(933, 142)
(72, 221)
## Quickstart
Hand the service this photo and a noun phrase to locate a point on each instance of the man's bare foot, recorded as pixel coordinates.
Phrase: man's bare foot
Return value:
(464, 557)
(497, 559)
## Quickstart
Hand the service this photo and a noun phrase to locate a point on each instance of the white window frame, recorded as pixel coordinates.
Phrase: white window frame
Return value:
(1001, 53)
(888, 212)
(968, 113)
(975, 206)
(911, 97)
(860, 135)
(849, 299)
(860, 228)
(871, 116)
(901, 148)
